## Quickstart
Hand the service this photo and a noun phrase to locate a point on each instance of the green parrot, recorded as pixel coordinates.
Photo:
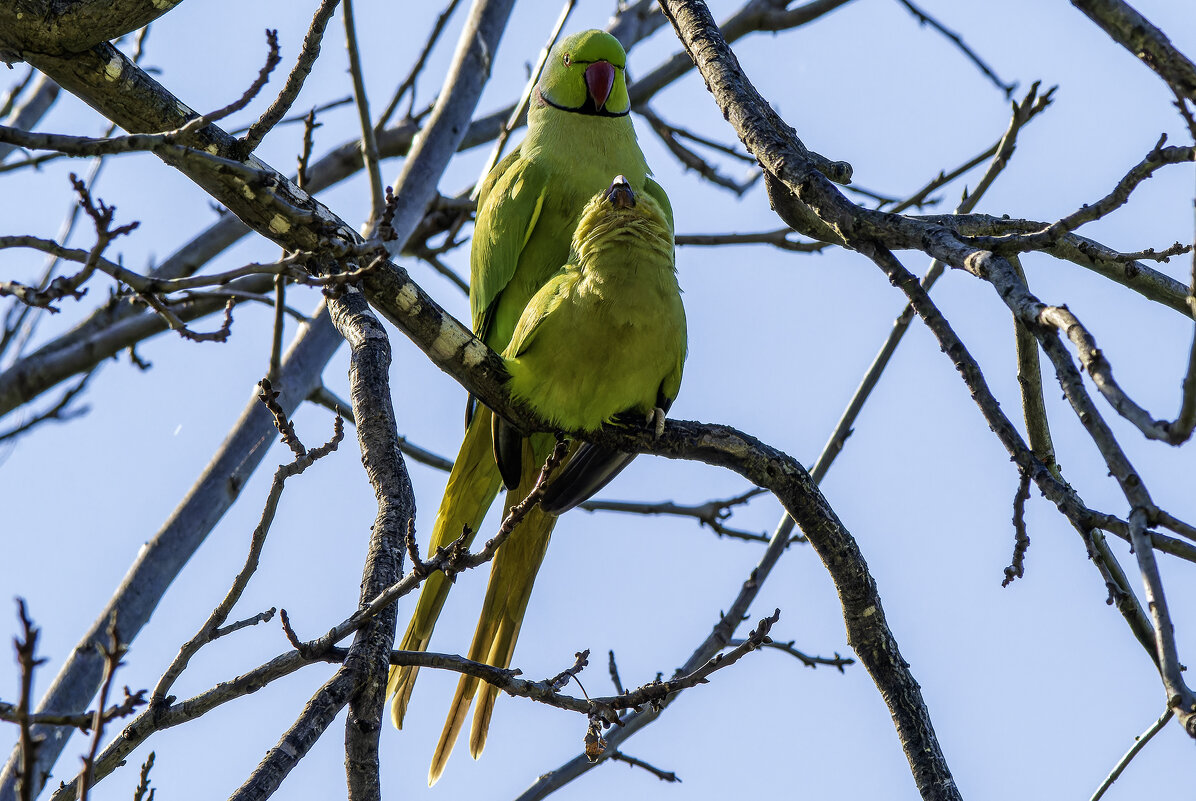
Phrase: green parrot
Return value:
(604, 338)
(579, 135)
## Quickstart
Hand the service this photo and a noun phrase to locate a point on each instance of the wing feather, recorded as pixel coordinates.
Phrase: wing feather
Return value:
(508, 210)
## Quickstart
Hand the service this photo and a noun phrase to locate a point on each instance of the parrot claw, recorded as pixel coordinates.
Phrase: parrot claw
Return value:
(656, 421)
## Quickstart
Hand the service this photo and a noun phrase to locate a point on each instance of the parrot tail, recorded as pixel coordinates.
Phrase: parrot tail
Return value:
(472, 485)
(590, 469)
(511, 578)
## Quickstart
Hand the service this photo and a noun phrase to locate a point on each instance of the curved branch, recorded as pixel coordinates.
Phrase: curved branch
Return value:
(1135, 33)
(136, 102)
(63, 27)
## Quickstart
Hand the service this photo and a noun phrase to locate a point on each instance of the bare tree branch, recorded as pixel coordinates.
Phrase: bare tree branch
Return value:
(408, 84)
(44, 26)
(369, 144)
(164, 555)
(1139, 743)
(1180, 698)
(925, 19)
(239, 456)
(1135, 33)
(290, 90)
(25, 115)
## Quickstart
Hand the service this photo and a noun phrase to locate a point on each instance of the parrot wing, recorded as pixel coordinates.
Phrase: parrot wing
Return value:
(657, 193)
(508, 210)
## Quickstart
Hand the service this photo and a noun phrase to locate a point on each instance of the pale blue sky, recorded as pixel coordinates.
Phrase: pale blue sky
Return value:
(1035, 690)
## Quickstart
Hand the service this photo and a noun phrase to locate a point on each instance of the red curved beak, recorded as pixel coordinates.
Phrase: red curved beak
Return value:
(600, 79)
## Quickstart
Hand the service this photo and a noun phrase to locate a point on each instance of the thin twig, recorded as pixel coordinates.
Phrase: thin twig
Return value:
(957, 40)
(1179, 698)
(309, 134)
(408, 83)
(1029, 379)
(521, 106)
(294, 83)
(27, 743)
(710, 514)
(294, 119)
(286, 429)
(113, 655)
(1168, 521)
(9, 98)
(17, 335)
(1139, 743)
(140, 792)
(1017, 566)
(369, 144)
(779, 239)
(669, 134)
(837, 662)
(211, 628)
(274, 369)
(664, 776)
(260, 617)
(614, 674)
(289, 265)
(60, 411)
(1156, 159)
(272, 60)
(1101, 372)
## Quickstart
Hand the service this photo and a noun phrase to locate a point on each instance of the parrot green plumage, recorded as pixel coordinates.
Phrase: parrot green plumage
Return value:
(605, 337)
(579, 136)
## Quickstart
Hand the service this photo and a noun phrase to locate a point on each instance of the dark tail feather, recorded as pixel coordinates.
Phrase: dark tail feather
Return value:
(590, 469)
(508, 451)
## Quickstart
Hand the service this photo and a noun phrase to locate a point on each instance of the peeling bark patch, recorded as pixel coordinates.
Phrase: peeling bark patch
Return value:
(475, 353)
(279, 224)
(408, 299)
(450, 339)
(114, 68)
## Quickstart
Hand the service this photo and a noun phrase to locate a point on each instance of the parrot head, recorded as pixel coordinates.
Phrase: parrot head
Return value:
(620, 194)
(585, 74)
(619, 216)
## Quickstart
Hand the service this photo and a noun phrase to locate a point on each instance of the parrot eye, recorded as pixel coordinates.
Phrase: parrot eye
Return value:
(566, 59)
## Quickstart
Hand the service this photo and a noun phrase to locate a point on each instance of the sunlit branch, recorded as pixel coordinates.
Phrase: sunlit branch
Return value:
(308, 54)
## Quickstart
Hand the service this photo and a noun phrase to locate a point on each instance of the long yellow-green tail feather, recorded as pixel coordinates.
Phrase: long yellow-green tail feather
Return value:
(472, 485)
(527, 560)
(511, 578)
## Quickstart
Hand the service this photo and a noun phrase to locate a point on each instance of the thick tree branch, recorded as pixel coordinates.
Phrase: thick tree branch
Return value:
(874, 234)
(1135, 33)
(27, 113)
(136, 102)
(61, 27)
(378, 438)
(164, 555)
